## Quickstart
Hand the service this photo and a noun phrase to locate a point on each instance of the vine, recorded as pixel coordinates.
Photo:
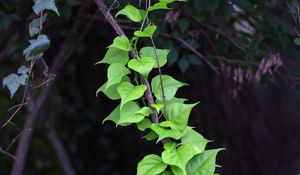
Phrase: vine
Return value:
(184, 149)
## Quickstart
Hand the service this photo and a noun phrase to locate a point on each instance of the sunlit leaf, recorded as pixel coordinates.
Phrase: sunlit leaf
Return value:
(170, 87)
(151, 165)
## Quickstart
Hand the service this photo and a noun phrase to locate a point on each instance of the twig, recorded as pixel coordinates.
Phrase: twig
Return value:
(193, 50)
(7, 154)
(58, 148)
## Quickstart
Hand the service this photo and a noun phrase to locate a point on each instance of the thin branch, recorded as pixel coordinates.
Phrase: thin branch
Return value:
(193, 50)
(7, 154)
(58, 149)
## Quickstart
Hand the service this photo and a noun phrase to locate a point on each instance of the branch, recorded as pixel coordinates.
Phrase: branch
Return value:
(59, 150)
(112, 21)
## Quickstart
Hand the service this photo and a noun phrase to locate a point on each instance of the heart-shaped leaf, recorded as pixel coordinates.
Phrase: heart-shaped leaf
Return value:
(128, 92)
(147, 32)
(194, 139)
(121, 42)
(149, 53)
(178, 113)
(142, 66)
(41, 5)
(36, 47)
(178, 157)
(204, 163)
(115, 55)
(132, 13)
(170, 87)
(115, 73)
(151, 165)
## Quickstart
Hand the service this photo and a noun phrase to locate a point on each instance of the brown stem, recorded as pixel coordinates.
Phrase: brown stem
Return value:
(112, 21)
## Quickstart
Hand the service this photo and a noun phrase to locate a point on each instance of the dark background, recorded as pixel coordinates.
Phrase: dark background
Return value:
(256, 120)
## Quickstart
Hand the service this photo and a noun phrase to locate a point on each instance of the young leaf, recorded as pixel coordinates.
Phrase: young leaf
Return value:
(121, 42)
(34, 26)
(13, 82)
(150, 136)
(130, 113)
(167, 133)
(113, 116)
(36, 47)
(204, 163)
(142, 66)
(194, 139)
(23, 70)
(41, 5)
(179, 113)
(162, 55)
(132, 13)
(128, 92)
(115, 55)
(147, 32)
(111, 92)
(151, 165)
(177, 157)
(144, 124)
(145, 111)
(170, 87)
(158, 107)
(159, 6)
(115, 73)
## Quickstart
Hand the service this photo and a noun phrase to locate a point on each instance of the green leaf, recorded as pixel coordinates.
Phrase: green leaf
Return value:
(142, 66)
(163, 132)
(150, 136)
(114, 115)
(151, 165)
(41, 5)
(111, 92)
(145, 111)
(34, 26)
(204, 163)
(132, 13)
(115, 55)
(183, 25)
(297, 41)
(36, 47)
(144, 124)
(170, 87)
(162, 55)
(158, 107)
(193, 59)
(166, 173)
(159, 6)
(131, 113)
(115, 73)
(147, 32)
(178, 157)
(128, 92)
(13, 82)
(179, 113)
(121, 42)
(173, 57)
(183, 65)
(196, 140)
(173, 100)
